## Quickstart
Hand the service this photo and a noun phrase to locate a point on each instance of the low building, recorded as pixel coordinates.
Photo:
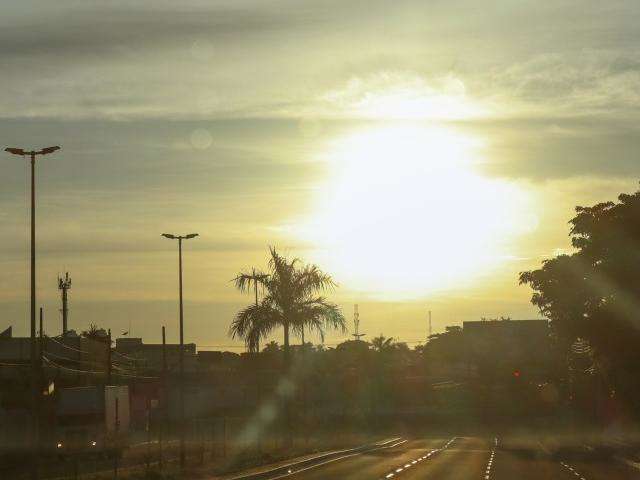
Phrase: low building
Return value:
(499, 348)
(149, 356)
(63, 352)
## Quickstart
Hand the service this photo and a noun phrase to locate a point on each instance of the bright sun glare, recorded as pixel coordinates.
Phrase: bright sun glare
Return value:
(405, 212)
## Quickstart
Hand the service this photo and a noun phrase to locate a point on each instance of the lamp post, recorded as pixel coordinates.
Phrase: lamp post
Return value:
(34, 363)
(181, 352)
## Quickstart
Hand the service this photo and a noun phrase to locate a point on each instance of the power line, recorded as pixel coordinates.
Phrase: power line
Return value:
(66, 346)
(133, 359)
(94, 372)
(56, 365)
(75, 360)
(14, 365)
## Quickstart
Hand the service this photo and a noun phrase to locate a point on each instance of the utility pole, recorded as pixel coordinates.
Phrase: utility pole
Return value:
(64, 284)
(40, 335)
(430, 330)
(164, 354)
(40, 369)
(109, 359)
(181, 351)
(117, 433)
(163, 407)
(35, 424)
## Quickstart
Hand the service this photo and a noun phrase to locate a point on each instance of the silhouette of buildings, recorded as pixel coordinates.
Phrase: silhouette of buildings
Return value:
(149, 356)
(498, 348)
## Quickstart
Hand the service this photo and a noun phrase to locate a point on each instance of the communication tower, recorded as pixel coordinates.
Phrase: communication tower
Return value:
(64, 284)
(356, 324)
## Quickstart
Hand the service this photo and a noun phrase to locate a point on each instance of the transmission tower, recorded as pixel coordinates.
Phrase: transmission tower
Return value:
(356, 323)
(64, 284)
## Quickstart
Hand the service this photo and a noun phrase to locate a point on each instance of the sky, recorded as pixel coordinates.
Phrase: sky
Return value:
(422, 152)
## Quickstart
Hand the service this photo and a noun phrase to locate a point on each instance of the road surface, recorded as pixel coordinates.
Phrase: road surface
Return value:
(465, 458)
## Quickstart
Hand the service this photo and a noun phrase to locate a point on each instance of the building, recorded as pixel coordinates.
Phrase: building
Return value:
(149, 356)
(69, 352)
(502, 348)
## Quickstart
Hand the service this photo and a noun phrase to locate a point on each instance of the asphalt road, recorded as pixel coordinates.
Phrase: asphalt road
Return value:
(465, 458)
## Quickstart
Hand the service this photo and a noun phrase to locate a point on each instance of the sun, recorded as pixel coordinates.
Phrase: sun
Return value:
(405, 212)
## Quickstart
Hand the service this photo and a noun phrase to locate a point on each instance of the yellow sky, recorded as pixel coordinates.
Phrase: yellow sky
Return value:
(423, 154)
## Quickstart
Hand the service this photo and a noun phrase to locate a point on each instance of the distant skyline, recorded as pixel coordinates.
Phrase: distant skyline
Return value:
(422, 152)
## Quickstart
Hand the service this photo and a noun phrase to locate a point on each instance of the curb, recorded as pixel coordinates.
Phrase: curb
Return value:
(318, 460)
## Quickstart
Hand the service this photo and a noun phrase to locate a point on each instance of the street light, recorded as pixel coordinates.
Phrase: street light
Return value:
(181, 352)
(34, 365)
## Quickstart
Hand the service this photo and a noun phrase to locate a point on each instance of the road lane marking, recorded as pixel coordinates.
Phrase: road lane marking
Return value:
(419, 459)
(291, 472)
(487, 471)
(573, 470)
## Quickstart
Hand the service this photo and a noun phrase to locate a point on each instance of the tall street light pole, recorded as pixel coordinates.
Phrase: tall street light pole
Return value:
(181, 351)
(35, 415)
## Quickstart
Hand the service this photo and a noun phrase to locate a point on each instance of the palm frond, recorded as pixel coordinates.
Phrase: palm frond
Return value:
(245, 280)
(290, 299)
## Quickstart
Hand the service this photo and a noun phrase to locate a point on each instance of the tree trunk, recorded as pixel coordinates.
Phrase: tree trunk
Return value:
(287, 400)
(287, 358)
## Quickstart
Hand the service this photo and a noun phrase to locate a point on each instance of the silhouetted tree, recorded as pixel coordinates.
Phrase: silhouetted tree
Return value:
(95, 333)
(292, 301)
(382, 343)
(594, 292)
(271, 347)
(244, 282)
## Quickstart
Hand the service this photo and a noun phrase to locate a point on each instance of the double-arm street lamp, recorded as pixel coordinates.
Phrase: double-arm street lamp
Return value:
(34, 365)
(181, 352)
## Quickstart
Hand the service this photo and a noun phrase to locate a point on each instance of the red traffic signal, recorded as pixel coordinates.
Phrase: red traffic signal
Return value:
(516, 373)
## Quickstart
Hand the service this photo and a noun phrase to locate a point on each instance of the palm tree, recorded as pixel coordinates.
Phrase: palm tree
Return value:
(291, 301)
(382, 344)
(271, 347)
(244, 281)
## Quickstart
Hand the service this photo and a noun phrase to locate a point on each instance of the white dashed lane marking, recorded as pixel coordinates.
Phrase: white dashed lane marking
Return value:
(487, 472)
(572, 470)
(419, 459)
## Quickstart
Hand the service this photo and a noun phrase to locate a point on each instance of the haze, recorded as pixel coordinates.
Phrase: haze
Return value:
(423, 152)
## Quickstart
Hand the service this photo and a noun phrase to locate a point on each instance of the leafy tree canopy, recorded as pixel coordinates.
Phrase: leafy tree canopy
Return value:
(594, 293)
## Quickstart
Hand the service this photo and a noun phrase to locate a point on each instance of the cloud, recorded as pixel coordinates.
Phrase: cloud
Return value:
(593, 82)
(242, 59)
(397, 95)
(82, 31)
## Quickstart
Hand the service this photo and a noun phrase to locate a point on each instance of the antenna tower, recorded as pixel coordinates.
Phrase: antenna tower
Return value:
(356, 323)
(64, 284)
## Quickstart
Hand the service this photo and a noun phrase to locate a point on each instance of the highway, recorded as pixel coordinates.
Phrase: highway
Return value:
(463, 458)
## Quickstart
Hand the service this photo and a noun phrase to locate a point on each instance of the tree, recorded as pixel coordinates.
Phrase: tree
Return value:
(291, 301)
(243, 282)
(593, 293)
(95, 333)
(382, 343)
(271, 347)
